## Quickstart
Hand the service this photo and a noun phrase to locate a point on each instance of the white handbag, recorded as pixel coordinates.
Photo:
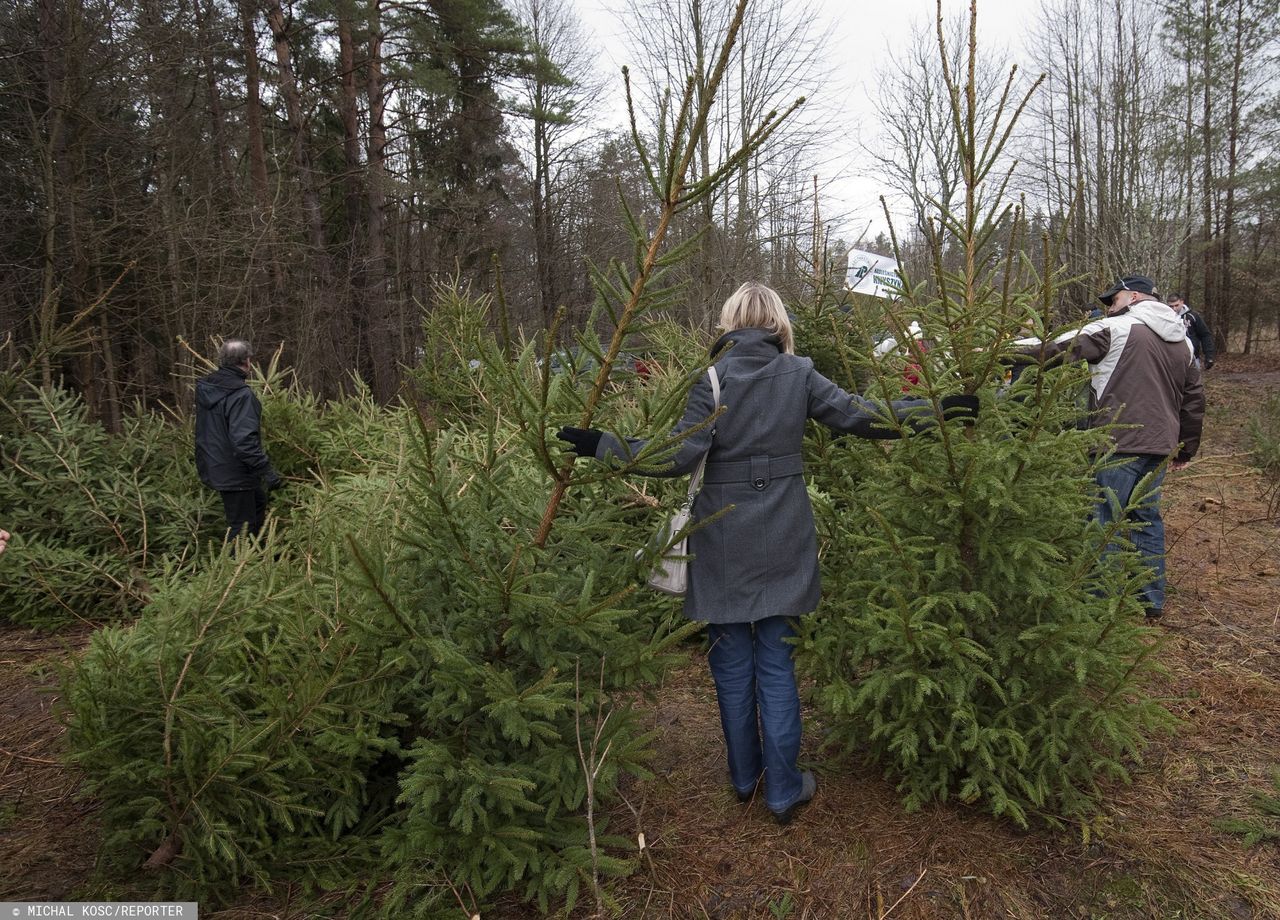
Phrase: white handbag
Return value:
(670, 573)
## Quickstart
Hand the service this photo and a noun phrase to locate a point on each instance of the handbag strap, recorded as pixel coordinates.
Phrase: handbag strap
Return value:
(695, 481)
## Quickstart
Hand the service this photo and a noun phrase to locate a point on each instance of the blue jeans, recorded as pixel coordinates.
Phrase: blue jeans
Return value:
(759, 705)
(1117, 483)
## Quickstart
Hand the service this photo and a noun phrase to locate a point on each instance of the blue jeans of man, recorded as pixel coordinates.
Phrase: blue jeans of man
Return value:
(1118, 481)
(759, 705)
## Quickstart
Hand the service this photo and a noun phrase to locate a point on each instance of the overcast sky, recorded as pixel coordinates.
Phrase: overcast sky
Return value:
(863, 36)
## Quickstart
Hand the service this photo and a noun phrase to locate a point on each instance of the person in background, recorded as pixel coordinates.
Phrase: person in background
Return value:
(229, 454)
(1197, 330)
(755, 569)
(910, 354)
(4, 541)
(1146, 383)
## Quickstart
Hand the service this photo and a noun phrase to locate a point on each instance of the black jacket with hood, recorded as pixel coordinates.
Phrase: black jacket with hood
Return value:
(229, 454)
(1199, 334)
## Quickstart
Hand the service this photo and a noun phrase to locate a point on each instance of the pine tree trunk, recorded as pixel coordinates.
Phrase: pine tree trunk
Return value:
(359, 342)
(541, 204)
(297, 127)
(1251, 315)
(1080, 254)
(55, 148)
(703, 259)
(88, 379)
(349, 110)
(111, 415)
(1101, 211)
(1132, 153)
(321, 324)
(1188, 167)
(217, 127)
(384, 338)
(1209, 303)
(743, 222)
(1222, 331)
(71, 168)
(253, 108)
(261, 214)
(167, 267)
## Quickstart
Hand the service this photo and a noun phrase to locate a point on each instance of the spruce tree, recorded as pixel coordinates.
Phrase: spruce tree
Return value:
(93, 514)
(522, 650)
(96, 514)
(974, 640)
(235, 734)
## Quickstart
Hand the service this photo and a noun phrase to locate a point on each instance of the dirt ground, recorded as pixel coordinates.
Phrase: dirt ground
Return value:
(854, 852)
(48, 835)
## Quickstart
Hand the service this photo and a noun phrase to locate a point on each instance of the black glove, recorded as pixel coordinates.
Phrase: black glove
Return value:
(274, 481)
(582, 441)
(962, 406)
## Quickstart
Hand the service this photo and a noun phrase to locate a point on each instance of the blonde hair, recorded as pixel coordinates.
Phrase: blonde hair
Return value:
(756, 306)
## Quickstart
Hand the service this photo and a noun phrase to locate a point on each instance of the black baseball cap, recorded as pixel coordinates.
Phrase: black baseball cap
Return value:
(1140, 283)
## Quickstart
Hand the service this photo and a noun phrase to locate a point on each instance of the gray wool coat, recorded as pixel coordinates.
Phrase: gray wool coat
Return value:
(760, 559)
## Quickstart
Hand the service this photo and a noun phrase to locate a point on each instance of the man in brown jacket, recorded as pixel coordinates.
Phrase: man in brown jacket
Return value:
(1145, 380)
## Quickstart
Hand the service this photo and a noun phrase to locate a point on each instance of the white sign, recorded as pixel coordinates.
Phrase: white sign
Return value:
(873, 274)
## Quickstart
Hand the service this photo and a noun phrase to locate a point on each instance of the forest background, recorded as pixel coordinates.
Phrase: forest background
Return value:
(303, 175)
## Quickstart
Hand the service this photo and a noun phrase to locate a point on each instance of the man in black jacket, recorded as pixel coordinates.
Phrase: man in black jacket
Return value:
(229, 454)
(1197, 330)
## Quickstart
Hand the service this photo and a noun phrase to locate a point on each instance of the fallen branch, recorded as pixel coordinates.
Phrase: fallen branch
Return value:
(28, 759)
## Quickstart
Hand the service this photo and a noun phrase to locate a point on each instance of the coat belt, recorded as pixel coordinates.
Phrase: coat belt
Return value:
(759, 471)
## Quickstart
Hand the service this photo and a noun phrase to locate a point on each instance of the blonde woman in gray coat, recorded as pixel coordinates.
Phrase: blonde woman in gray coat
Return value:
(755, 569)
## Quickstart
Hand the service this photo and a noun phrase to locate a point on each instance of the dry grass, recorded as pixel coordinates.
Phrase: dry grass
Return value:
(854, 852)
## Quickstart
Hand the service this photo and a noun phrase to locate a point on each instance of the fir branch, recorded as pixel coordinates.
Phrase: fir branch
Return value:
(376, 584)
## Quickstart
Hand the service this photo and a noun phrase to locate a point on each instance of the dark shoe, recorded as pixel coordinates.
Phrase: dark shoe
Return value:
(745, 797)
(1154, 613)
(808, 786)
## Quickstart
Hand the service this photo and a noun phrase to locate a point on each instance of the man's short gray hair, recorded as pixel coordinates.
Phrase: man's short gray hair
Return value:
(234, 353)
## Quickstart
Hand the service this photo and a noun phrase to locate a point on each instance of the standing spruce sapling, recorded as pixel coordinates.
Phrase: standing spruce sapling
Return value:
(974, 641)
